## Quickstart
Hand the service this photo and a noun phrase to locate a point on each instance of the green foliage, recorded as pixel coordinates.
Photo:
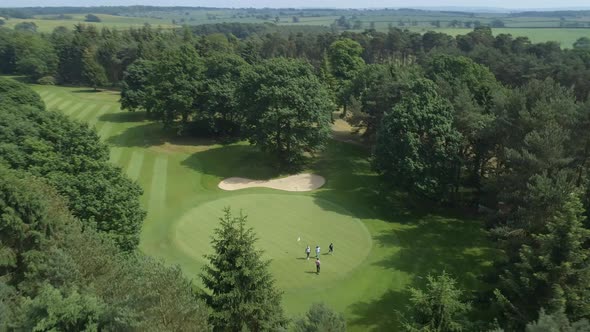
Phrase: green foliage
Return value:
(438, 308)
(16, 93)
(320, 318)
(459, 70)
(220, 93)
(417, 146)
(379, 87)
(534, 136)
(345, 58)
(46, 80)
(287, 108)
(242, 292)
(27, 54)
(92, 72)
(136, 88)
(179, 77)
(67, 277)
(71, 157)
(557, 322)
(92, 18)
(29, 215)
(471, 88)
(582, 43)
(552, 269)
(51, 310)
(26, 27)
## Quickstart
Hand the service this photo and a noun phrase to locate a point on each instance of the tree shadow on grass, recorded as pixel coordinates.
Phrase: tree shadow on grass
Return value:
(148, 134)
(380, 315)
(431, 244)
(437, 243)
(123, 117)
(241, 160)
(88, 91)
(143, 135)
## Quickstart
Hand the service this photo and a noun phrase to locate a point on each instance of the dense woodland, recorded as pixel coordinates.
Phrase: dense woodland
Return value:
(482, 123)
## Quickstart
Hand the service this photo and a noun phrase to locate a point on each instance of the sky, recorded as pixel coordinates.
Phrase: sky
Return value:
(514, 4)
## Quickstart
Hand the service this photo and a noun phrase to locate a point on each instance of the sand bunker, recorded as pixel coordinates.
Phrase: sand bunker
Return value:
(299, 182)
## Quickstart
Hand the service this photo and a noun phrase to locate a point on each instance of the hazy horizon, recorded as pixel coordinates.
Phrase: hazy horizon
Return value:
(506, 4)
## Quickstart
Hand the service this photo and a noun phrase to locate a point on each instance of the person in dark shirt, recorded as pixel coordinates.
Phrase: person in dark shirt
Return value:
(331, 251)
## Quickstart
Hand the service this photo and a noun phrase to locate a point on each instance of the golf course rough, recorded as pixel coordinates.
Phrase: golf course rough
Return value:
(279, 221)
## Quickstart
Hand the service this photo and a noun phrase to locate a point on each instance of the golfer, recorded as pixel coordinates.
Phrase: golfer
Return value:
(317, 266)
(317, 251)
(307, 251)
(331, 247)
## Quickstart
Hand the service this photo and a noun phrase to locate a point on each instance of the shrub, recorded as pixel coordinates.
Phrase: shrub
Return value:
(46, 80)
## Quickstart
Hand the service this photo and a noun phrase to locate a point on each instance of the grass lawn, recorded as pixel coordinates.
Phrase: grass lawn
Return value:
(381, 246)
(111, 21)
(566, 37)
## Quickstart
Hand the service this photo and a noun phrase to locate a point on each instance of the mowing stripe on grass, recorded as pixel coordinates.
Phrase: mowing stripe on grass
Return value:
(98, 114)
(116, 155)
(64, 105)
(72, 110)
(158, 187)
(135, 163)
(53, 102)
(42, 94)
(49, 98)
(105, 130)
(86, 111)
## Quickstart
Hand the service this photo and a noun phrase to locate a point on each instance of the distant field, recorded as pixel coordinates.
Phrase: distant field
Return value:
(118, 22)
(538, 29)
(566, 37)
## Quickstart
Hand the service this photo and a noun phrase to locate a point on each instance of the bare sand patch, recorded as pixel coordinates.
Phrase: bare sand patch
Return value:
(299, 182)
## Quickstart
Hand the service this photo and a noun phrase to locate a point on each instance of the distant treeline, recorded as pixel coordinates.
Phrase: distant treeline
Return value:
(561, 13)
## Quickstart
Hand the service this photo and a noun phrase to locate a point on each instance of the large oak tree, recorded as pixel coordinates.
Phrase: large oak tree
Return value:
(287, 108)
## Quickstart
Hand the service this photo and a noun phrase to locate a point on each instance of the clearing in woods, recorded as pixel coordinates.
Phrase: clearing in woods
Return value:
(380, 247)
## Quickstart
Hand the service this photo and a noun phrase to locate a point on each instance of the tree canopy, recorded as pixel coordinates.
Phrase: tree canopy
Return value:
(243, 294)
(417, 146)
(72, 158)
(287, 108)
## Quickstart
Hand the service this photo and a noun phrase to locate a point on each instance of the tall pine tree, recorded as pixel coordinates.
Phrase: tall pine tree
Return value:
(552, 269)
(242, 292)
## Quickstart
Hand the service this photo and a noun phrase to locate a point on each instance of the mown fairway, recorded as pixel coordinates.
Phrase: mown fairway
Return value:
(380, 248)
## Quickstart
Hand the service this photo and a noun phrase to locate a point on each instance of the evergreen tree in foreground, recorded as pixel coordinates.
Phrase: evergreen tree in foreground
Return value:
(439, 308)
(553, 268)
(243, 295)
(320, 318)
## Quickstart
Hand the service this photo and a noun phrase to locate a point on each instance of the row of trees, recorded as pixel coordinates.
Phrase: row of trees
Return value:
(107, 52)
(279, 104)
(70, 156)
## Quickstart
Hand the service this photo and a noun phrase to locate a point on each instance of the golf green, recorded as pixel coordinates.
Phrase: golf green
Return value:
(285, 225)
